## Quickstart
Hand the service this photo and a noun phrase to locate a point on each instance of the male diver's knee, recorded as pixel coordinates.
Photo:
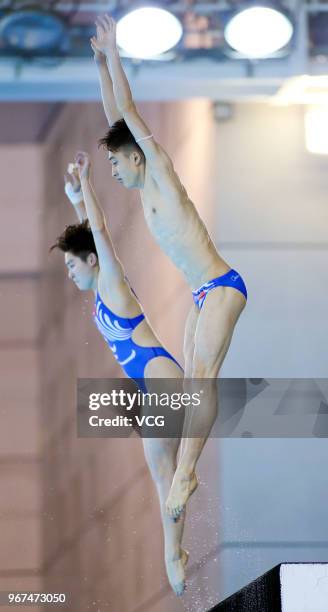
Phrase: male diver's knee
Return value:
(204, 369)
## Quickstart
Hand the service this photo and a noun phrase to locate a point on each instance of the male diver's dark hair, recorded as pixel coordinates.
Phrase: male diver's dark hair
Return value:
(76, 239)
(118, 136)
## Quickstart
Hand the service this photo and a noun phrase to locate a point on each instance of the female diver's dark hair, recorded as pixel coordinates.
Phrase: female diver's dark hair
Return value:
(76, 239)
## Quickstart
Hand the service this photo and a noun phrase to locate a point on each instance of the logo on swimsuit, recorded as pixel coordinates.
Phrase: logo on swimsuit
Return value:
(131, 356)
(234, 278)
(125, 361)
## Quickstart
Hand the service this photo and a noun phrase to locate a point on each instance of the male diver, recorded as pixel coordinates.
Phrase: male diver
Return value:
(93, 265)
(219, 293)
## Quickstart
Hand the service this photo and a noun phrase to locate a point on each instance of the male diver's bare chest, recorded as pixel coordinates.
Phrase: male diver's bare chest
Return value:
(159, 219)
(162, 213)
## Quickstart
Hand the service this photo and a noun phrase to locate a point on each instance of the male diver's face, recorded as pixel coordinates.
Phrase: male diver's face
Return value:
(125, 166)
(79, 271)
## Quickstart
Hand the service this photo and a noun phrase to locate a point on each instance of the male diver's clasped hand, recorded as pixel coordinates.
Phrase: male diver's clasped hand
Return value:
(106, 35)
(82, 160)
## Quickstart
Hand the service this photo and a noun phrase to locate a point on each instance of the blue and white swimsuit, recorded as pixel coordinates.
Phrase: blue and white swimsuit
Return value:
(230, 279)
(117, 332)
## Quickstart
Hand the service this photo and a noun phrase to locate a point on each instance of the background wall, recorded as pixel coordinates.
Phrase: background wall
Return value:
(272, 214)
(272, 218)
(20, 474)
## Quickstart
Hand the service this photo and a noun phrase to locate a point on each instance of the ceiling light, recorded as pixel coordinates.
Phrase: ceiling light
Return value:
(258, 31)
(147, 32)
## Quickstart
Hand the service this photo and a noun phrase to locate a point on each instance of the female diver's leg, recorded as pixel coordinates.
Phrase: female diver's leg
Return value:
(161, 456)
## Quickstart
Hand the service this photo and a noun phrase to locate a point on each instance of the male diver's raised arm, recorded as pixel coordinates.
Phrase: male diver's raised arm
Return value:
(105, 43)
(160, 164)
(110, 266)
(106, 86)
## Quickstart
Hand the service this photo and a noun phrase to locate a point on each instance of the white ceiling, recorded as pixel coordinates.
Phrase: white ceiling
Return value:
(76, 78)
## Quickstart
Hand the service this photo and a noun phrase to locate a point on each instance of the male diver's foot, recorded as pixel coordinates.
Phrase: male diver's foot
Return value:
(175, 569)
(182, 487)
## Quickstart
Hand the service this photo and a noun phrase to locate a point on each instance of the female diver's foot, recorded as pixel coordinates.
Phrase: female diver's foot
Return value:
(182, 487)
(175, 569)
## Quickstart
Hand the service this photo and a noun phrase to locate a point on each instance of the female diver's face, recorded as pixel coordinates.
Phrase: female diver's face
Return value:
(79, 271)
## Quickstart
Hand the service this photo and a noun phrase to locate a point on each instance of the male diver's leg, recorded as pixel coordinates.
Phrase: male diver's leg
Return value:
(214, 329)
(188, 350)
(189, 339)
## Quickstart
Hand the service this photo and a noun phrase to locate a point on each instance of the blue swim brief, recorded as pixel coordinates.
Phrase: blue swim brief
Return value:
(230, 279)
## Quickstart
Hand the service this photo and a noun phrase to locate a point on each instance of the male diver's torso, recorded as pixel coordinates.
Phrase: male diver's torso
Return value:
(181, 234)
